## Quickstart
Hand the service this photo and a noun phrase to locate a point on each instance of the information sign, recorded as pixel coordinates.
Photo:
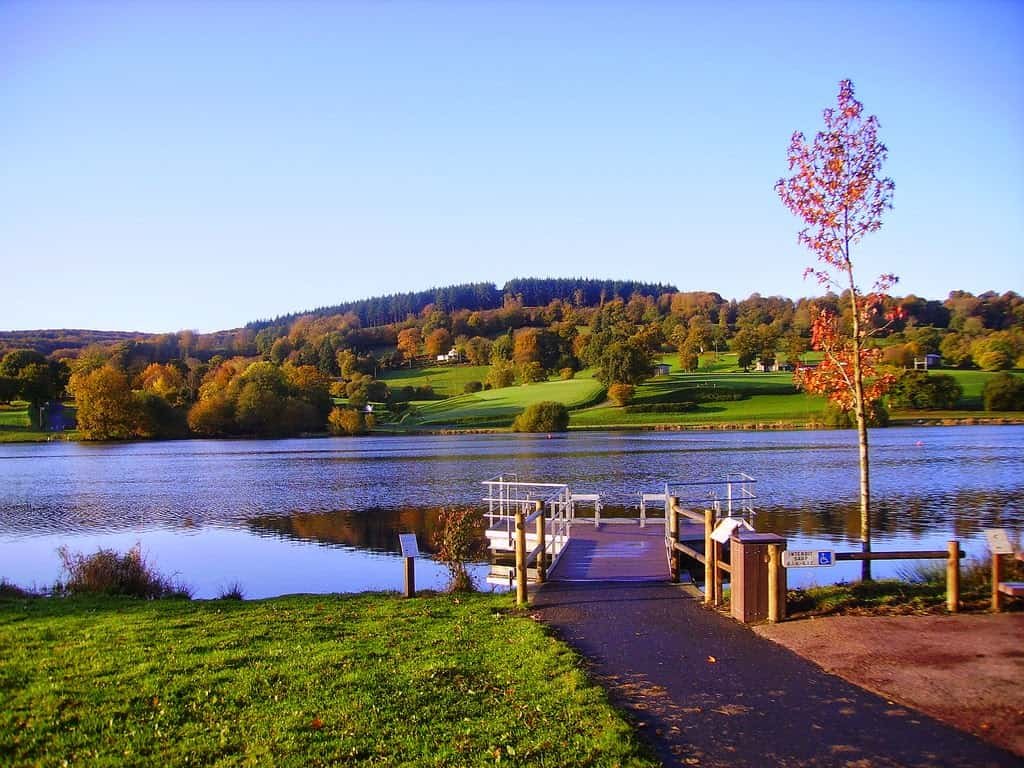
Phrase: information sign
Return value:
(998, 541)
(409, 546)
(807, 558)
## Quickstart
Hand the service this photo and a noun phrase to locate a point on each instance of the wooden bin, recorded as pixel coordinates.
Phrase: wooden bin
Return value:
(749, 580)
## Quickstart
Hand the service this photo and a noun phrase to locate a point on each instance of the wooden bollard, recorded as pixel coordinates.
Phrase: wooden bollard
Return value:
(410, 577)
(997, 576)
(776, 607)
(542, 552)
(710, 562)
(953, 578)
(521, 594)
(673, 534)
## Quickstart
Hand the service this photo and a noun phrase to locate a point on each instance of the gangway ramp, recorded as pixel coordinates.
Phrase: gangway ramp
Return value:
(613, 553)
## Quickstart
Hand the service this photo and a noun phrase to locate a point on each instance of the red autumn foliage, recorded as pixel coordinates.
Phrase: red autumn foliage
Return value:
(837, 190)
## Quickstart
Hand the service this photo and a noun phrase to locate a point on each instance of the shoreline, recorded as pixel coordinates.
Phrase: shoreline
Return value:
(747, 426)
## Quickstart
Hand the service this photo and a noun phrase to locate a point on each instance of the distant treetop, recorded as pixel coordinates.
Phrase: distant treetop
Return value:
(529, 291)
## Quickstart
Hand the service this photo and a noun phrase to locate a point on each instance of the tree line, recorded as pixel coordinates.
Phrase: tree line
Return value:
(283, 379)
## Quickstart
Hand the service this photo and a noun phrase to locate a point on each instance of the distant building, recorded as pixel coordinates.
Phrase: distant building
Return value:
(662, 369)
(771, 367)
(453, 356)
(928, 361)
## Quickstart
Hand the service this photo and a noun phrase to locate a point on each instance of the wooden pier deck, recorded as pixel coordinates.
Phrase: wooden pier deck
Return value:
(613, 553)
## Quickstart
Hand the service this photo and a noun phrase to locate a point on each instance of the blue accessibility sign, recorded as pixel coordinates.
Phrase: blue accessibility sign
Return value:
(825, 558)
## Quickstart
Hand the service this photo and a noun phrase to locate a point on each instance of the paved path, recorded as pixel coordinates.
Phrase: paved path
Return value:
(756, 704)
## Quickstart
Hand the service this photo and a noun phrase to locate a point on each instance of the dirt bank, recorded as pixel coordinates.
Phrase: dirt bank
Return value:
(967, 671)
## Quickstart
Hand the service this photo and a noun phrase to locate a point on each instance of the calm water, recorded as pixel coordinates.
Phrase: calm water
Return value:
(321, 515)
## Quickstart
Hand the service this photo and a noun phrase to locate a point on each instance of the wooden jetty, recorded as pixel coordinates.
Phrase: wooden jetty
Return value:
(544, 531)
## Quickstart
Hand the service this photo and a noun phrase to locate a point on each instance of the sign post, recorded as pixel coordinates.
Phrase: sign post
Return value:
(808, 558)
(410, 549)
(999, 544)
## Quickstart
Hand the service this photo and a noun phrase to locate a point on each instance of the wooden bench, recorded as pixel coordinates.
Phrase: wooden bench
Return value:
(1012, 588)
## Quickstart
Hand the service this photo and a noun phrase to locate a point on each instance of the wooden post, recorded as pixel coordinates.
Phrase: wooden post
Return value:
(673, 533)
(542, 552)
(953, 578)
(710, 561)
(775, 610)
(410, 576)
(521, 595)
(716, 573)
(997, 576)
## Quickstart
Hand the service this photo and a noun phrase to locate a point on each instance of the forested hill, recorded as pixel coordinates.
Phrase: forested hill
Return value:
(528, 291)
(61, 340)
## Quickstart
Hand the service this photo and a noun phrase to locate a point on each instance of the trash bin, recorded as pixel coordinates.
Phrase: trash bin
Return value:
(749, 579)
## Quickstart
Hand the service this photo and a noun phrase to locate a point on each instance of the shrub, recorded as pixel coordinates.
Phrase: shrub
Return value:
(473, 386)
(346, 421)
(837, 418)
(1004, 392)
(12, 590)
(531, 373)
(566, 374)
(621, 393)
(928, 391)
(232, 591)
(109, 573)
(501, 375)
(542, 417)
(458, 539)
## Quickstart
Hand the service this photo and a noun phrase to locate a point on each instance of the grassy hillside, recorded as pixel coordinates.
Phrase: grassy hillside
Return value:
(446, 380)
(309, 680)
(497, 407)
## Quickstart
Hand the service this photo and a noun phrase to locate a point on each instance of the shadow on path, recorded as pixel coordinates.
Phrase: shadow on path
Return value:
(707, 691)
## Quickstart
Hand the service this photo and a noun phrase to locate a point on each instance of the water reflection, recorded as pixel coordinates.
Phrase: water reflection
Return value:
(272, 500)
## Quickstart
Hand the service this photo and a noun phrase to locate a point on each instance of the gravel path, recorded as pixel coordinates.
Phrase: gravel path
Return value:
(965, 670)
(708, 691)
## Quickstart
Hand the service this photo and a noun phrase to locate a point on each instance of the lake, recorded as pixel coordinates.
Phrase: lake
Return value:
(322, 515)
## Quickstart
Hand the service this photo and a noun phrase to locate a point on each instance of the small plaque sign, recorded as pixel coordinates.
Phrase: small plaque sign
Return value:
(998, 541)
(808, 558)
(409, 546)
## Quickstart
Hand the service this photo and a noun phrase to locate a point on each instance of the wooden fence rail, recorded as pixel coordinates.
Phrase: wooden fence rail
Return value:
(711, 558)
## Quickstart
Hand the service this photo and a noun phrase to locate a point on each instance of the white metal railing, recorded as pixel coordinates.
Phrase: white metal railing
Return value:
(586, 498)
(732, 497)
(506, 496)
(645, 498)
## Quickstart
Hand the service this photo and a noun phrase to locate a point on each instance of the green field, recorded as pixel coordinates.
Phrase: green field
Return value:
(297, 681)
(497, 407)
(14, 427)
(447, 380)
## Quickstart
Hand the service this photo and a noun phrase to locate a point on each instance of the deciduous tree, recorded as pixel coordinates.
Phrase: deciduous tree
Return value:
(837, 190)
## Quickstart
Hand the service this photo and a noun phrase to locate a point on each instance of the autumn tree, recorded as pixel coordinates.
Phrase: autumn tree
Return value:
(106, 409)
(438, 342)
(835, 187)
(409, 341)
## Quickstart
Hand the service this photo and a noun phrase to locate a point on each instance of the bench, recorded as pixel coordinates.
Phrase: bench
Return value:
(1012, 588)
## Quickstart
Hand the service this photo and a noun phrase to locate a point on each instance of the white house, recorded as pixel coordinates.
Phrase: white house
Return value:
(452, 356)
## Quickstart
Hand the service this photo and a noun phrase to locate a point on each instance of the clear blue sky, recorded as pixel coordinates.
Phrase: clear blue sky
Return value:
(198, 165)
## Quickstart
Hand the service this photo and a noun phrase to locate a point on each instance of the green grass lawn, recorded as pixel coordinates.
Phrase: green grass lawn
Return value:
(15, 427)
(497, 407)
(795, 409)
(447, 380)
(297, 681)
(15, 415)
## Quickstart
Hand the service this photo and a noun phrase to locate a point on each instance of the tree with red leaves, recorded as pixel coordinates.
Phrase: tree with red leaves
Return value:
(837, 190)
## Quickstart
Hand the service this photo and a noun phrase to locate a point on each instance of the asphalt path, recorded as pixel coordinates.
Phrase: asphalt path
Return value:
(705, 690)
